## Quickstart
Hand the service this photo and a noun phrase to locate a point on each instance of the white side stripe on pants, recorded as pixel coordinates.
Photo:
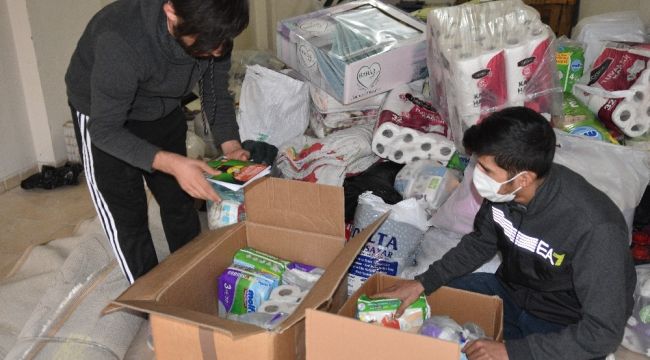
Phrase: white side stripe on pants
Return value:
(100, 204)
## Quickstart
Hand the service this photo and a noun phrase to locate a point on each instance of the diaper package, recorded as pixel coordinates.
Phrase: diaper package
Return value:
(570, 59)
(253, 259)
(382, 312)
(301, 275)
(579, 120)
(243, 290)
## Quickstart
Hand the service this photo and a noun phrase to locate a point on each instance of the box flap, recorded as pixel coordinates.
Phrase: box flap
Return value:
(229, 328)
(151, 285)
(335, 272)
(330, 336)
(296, 205)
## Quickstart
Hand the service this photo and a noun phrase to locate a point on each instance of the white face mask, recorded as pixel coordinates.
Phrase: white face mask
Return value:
(489, 188)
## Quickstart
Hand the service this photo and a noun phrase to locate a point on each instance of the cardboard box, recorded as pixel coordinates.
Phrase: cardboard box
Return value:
(357, 67)
(355, 339)
(293, 220)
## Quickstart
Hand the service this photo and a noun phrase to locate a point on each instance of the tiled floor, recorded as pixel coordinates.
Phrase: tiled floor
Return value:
(37, 216)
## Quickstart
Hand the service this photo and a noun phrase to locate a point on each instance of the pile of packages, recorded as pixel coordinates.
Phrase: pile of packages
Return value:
(377, 102)
(262, 289)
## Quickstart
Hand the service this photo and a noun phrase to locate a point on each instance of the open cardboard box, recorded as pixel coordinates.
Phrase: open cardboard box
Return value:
(355, 339)
(304, 43)
(294, 220)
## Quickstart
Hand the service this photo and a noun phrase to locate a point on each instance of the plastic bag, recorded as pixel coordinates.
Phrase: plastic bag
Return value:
(618, 89)
(593, 31)
(392, 247)
(435, 244)
(458, 212)
(620, 172)
(273, 107)
(378, 179)
(487, 56)
(230, 210)
(428, 182)
(637, 331)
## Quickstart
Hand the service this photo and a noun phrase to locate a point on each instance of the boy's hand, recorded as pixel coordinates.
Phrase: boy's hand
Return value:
(405, 290)
(189, 173)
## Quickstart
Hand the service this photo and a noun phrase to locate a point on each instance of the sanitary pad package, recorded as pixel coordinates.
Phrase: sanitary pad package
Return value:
(251, 258)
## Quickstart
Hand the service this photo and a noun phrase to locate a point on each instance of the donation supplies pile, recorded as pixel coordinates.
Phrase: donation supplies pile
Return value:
(263, 290)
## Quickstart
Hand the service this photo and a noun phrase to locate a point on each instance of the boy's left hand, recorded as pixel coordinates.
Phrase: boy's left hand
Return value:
(485, 350)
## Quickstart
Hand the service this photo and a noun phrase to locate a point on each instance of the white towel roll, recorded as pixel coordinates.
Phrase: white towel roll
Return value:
(640, 93)
(286, 293)
(626, 116)
(644, 78)
(274, 307)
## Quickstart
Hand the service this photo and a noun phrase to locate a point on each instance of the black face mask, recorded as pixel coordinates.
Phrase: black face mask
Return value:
(226, 48)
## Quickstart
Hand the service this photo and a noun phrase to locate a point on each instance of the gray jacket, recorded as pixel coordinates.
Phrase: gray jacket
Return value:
(128, 67)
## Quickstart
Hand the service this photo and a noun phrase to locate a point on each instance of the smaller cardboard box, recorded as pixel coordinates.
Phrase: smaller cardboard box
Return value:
(293, 220)
(355, 50)
(355, 339)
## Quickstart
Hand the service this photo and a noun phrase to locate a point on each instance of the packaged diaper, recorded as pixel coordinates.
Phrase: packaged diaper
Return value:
(301, 275)
(260, 261)
(382, 312)
(242, 290)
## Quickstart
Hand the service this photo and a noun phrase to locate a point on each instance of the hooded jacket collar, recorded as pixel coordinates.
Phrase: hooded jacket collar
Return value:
(155, 22)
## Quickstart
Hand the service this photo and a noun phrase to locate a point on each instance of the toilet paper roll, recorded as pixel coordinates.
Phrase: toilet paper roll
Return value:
(286, 294)
(627, 118)
(639, 93)
(404, 145)
(275, 307)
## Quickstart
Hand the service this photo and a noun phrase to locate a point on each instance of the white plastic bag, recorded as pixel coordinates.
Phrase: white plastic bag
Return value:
(620, 172)
(637, 330)
(273, 107)
(392, 247)
(458, 212)
(428, 182)
(593, 31)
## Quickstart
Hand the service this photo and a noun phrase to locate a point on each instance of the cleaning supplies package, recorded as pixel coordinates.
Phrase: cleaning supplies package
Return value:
(487, 56)
(382, 312)
(355, 50)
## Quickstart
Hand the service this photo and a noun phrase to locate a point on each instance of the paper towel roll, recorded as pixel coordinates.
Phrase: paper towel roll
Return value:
(287, 294)
(274, 307)
(626, 117)
(523, 58)
(479, 82)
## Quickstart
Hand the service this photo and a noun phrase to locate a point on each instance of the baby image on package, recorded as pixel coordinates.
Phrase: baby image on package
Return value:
(382, 312)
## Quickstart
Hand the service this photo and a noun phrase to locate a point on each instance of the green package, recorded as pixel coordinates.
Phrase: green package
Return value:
(570, 59)
(579, 120)
(260, 261)
(382, 312)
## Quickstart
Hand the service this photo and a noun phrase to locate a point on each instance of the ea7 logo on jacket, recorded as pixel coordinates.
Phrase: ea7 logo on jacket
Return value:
(534, 245)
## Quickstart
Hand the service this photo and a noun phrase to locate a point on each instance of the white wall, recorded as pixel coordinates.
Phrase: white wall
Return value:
(36, 42)
(16, 148)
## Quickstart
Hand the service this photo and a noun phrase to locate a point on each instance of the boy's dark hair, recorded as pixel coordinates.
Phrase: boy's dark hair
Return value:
(519, 138)
(215, 23)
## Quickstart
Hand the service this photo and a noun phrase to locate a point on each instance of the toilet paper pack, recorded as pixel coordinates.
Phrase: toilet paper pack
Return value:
(242, 290)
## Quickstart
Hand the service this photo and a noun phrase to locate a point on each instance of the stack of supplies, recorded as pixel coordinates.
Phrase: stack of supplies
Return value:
(484, 57)
(329, 160)
(262, 289)
(619, 88)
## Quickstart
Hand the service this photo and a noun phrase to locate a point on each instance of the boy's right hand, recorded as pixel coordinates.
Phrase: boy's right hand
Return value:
(405, 290)
(189, 173)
